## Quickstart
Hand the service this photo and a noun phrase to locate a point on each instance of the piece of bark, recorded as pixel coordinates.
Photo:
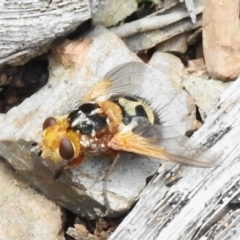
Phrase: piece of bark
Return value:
(195, 65)
(74, 67)
(191, 9)
(153, 22)
(111, 12)
(177, 44)
(221, 39)
(28, 28)
(80, 232)
(146, 40)
(152, 30)
(201, 203)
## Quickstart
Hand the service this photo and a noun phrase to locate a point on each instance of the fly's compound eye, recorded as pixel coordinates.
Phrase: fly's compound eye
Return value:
(66, 149)
(50, 121)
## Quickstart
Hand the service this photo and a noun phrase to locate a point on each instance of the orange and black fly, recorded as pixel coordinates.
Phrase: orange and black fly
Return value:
(110, 119)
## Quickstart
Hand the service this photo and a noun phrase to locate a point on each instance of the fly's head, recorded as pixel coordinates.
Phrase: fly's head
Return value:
(59, 142)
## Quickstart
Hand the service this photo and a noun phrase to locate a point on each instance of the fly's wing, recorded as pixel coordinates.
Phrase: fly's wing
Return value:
(124, 79)
(157, 141)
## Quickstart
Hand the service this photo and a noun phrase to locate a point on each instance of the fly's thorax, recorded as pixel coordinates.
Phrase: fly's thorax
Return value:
(92, 118)
(88, 119)
(93, 144)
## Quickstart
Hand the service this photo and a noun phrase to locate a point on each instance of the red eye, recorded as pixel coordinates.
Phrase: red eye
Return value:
(50, 121)
(66, 149)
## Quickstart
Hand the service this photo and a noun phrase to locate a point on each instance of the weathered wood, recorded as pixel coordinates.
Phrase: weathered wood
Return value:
(28, 28)
(221, 39)
(154, 22)
(151, 30)
(191, 9)
(111, 12)
(200, 205)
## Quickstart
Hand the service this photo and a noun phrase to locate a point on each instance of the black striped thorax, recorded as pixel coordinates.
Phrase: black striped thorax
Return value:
(89, 118)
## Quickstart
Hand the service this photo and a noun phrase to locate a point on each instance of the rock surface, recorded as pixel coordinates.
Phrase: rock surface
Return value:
(25, 214)
(172, 66)
(203, 90)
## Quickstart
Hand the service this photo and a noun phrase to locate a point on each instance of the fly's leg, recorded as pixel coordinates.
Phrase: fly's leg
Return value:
(71, 164)
(105, 179)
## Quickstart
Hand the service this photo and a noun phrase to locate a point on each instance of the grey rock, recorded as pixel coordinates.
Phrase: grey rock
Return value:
(25, 214)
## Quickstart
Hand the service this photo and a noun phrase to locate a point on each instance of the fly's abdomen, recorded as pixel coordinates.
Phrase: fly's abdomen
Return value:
(135, 107)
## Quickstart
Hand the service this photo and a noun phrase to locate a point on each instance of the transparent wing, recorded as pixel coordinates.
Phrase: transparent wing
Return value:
(124, 79)
(157, 141)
